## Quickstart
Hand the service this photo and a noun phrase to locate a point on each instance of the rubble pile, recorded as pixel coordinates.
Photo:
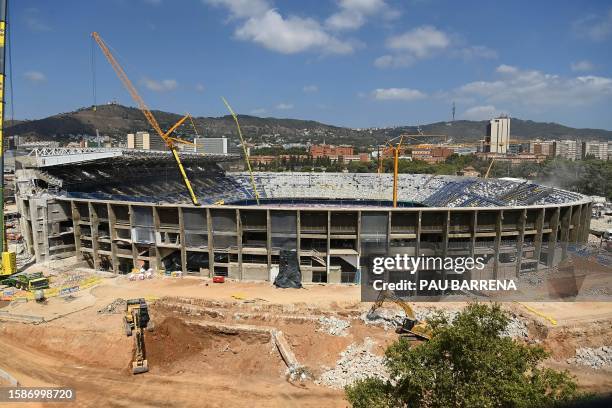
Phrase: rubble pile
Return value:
(596, 358)
(389, 319)
(116, 306)
(333, 325)
(357, 362)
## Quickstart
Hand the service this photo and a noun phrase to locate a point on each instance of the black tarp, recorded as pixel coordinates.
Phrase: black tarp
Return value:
(289, 275)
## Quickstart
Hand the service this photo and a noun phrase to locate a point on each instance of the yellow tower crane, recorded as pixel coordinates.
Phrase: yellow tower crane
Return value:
(396, 152)
(170, 141)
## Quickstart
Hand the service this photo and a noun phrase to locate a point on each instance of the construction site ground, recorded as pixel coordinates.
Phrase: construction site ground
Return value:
(211, 344)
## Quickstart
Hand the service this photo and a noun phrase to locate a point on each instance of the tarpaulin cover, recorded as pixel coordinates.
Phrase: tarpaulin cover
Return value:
(289, 275)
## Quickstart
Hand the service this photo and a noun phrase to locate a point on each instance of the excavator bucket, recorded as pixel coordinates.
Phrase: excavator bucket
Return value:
(139, 368)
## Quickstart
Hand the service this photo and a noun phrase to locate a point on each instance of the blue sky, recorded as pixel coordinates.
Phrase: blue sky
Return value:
(356, 63)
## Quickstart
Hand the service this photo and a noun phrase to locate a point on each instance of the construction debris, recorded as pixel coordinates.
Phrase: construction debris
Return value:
(333, 325)
(596, 358)
(389, 319)
(116, 306)
(357, 362)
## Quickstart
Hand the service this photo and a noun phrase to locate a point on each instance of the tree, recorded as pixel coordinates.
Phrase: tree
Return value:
(467, 363)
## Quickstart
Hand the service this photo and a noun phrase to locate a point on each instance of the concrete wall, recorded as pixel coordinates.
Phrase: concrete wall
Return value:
(244, 242)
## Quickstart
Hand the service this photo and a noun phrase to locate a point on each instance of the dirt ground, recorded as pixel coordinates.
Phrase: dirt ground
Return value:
(195, 365)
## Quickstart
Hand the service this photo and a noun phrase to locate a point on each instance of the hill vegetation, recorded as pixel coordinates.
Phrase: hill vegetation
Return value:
(117, 120)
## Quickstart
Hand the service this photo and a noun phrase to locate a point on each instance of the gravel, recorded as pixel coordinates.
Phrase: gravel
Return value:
(357, 362)
(116, 306)
(334, 326)
(596, 358)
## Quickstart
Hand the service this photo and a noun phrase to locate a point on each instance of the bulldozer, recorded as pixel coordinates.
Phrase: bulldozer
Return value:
(136, 319)
(411, 328)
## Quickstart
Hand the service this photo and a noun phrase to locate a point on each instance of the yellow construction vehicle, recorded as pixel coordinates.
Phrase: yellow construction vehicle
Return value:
(411, 327)
(171, 142)
(137, 319)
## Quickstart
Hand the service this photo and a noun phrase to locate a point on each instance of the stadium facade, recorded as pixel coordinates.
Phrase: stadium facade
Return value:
(129, 210)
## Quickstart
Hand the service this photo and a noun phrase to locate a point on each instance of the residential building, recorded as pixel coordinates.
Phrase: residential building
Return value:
(542, 147)
(431, 155)
(597, 149)
(567, 149)
(498, 135)
(331, 151)
(144, 141)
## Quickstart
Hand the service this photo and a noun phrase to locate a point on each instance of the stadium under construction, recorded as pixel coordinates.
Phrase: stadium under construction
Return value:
(120, 209)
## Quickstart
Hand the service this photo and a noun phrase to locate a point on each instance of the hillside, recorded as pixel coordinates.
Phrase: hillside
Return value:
(117, 120)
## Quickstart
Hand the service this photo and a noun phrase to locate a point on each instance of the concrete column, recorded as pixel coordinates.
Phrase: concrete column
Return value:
(575, 223)
(539, 225)
(497, 243)
(269, 238)
(328, 242)
(93, 217)
(418, 233)
(552, 241)
(75, 225)
(298, 238)
(358, 246)
(182, 239)
(239, 242)
(156, 226)
(565, 230)
(113, 235)
(211, 245)
(520, 241)
(134, 249)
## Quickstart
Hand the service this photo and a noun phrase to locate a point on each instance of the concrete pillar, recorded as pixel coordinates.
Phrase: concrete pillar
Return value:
(552, 241)
(211, 244)
(520, 240)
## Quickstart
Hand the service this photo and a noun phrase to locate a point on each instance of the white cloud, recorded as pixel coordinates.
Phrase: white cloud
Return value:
(475, 51)
(594, 27)
(258, 111)
(284, 106)
(353, 13)
(310, 88)
(164, 85)
(506, 69)
(537, 89)
(583, 65)
(394, 61)
(420, 42)
(483, 112)
(401, 94)
(290, 35)
(35, 76)
(34, 21)
(199, 87)
(425, 42)
(242, 8)
(267, 27)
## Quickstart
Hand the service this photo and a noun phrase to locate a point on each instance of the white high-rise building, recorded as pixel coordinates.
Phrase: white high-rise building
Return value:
(211, 145)
(498, 135)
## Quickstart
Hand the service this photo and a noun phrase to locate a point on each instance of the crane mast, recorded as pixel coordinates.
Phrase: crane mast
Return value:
(171, 142)
(8, 266)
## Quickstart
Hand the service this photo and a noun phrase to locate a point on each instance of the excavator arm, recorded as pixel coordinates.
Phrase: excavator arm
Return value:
(411, 326)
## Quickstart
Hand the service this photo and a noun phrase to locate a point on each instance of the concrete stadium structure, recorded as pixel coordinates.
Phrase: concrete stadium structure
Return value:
(130, 210)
